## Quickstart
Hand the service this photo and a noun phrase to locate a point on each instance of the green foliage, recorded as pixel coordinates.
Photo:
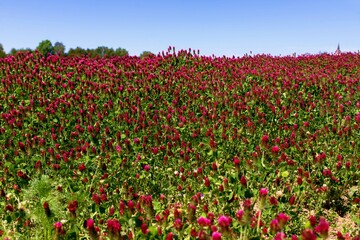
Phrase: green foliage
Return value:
(45, 47)
(101, 51)
(146, 54)
(78, 51)
(14, 51)
(2, 52)
(59, 48)
(121, 52)
(43, 190)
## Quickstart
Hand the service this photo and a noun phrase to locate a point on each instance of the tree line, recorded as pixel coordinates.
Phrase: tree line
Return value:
(47, 48)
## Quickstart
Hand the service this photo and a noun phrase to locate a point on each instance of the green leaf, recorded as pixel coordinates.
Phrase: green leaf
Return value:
(307, 224)
(153, 231)
(285, 174)
(157, 206)
(8, 219)
(138, 222)
(102, 209)
(228, 166)
(248, 193)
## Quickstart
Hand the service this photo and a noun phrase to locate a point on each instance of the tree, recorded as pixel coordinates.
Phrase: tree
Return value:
(146, 54)
(102, 51)
(14, 51)
(76, 52)
(2, 52)
(45, 47)
(59, 48)
(121, 52)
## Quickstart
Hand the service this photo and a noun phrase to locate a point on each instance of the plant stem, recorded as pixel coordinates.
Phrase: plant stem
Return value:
(258, 222)
(92, 181)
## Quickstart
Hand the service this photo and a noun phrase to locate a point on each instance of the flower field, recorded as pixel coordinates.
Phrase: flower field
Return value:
(180, 146)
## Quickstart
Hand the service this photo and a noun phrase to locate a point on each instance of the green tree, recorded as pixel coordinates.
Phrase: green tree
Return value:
(14, 51)
(121, 52)
(59, 47)
(102, 51)
(2, 52)
(146, 54)
(45, 47)
(76, 52)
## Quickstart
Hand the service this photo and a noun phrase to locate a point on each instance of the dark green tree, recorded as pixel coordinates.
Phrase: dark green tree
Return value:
(14, 51)
(45, 47)
(121, 52)
(76, 52)
(59, 47)
(2, 52)
(90, 52)
(102, 51)
(146, 54)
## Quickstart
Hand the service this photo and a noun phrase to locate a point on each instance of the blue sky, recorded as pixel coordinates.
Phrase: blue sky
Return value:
(214, 27)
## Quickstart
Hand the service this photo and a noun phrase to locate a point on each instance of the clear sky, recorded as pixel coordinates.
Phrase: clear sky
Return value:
(221, 27)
